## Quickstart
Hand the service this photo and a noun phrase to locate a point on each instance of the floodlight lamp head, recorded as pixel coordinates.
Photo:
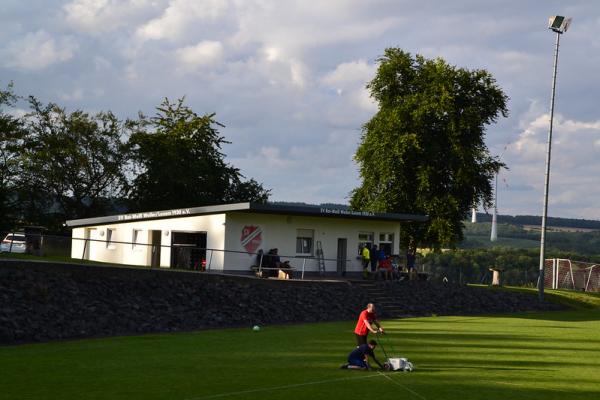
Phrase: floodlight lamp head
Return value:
(559, 24)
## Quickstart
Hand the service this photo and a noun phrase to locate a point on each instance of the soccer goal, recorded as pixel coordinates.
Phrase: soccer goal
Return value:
(562, 273)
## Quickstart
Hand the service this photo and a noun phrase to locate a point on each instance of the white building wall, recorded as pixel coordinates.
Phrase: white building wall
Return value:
(99, 250)
(77, 245)
(279, 231)
(224, 239)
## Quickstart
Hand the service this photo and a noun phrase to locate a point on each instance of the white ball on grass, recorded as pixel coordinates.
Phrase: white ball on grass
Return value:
(256, 328)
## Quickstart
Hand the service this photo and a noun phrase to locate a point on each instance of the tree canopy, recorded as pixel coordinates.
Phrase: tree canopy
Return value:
(11, 134)
(71, 164)
(57, 165)
(423, 152)
(178, 162)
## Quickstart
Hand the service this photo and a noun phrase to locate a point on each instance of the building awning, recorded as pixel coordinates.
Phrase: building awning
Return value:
(269, 208)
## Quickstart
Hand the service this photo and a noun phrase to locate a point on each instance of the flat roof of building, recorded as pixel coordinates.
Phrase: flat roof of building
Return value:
(269, 208)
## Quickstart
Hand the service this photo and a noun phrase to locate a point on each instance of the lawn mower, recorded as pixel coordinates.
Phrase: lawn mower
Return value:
(393, 363)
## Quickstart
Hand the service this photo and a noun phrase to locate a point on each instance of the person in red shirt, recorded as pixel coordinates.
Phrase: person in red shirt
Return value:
(366, 320)
(385, 269)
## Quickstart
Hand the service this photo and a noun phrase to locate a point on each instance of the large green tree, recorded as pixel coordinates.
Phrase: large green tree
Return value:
(11, 135)
(72, 164)
(178, 162)
(424, 151)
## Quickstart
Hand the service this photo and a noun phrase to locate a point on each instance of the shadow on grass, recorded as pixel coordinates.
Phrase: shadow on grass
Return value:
(445, 367)
(301, 362)
(561, 316)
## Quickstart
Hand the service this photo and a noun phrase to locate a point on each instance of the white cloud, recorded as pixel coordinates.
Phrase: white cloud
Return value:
(101, 63)
(200, 55)
(271, 157)
(573, 165)
(272, 67)
(350, 80)
(99, 16)
(294, 26)
(272, 53)
(75, 95)
(286, 77)
(576, 137)
(516, 61)
(324, 165)
(179, 16)
(350, 74)
(299, 73)
(37, 50)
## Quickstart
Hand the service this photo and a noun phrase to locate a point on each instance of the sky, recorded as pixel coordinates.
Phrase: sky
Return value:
(287, 79)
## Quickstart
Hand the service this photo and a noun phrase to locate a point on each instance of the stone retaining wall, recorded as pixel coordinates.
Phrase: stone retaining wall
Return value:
(46, 301)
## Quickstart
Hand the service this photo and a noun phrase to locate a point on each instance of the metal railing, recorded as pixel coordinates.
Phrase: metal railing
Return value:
(258, 256)
(62, 245)
(478, 274)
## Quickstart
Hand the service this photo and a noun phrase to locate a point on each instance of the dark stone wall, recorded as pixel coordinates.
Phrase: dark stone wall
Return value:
(46, 301)
(412, 298)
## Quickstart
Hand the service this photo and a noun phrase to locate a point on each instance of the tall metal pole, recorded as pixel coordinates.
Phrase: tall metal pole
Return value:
(547, 176)
(494, 232)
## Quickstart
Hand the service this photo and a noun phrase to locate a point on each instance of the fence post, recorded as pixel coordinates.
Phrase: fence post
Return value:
(210, 259)
(85, 242)
(589, 277)
(260, 265)
(303, 264)
(572, 277)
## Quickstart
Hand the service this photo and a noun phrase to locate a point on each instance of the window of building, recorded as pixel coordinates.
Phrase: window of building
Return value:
(110, 237)
(304, 241)
(386, 243)
(364, 239)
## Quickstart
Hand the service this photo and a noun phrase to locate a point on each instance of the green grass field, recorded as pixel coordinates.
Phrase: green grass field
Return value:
(527, 356)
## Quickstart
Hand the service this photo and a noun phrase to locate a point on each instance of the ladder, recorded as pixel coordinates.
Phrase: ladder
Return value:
(320, 258)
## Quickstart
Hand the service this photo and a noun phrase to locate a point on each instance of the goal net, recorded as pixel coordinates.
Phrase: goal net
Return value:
(562, 273)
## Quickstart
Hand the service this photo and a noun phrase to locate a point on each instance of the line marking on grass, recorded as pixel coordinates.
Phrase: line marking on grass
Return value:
(402, 386)
(272, 388)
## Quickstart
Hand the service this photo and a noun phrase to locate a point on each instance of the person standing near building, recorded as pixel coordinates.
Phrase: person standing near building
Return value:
(366, 257)
(411, 258)
(364, 325)
(374, 258)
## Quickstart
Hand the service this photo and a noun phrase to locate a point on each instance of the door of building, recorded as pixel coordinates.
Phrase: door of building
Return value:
(188, 250)
(342, 255)
(155, 248)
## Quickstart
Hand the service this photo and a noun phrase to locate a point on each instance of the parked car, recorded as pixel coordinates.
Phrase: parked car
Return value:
(14, 243)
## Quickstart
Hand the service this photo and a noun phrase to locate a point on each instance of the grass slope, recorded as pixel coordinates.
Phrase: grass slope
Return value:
(527, 356)
(569, 298)
(483, 242)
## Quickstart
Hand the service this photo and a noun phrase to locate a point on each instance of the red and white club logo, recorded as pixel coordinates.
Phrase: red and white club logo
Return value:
(251, 238)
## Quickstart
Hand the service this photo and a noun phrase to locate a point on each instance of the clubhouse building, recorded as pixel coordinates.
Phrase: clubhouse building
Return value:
(228, 238)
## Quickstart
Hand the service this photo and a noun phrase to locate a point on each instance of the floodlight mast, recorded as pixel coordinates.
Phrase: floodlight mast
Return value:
(559, 25)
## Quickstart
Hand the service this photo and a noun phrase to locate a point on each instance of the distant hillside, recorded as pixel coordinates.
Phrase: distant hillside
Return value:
(528, 221)
(515, 236)
(299, 203)
(535, 220)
